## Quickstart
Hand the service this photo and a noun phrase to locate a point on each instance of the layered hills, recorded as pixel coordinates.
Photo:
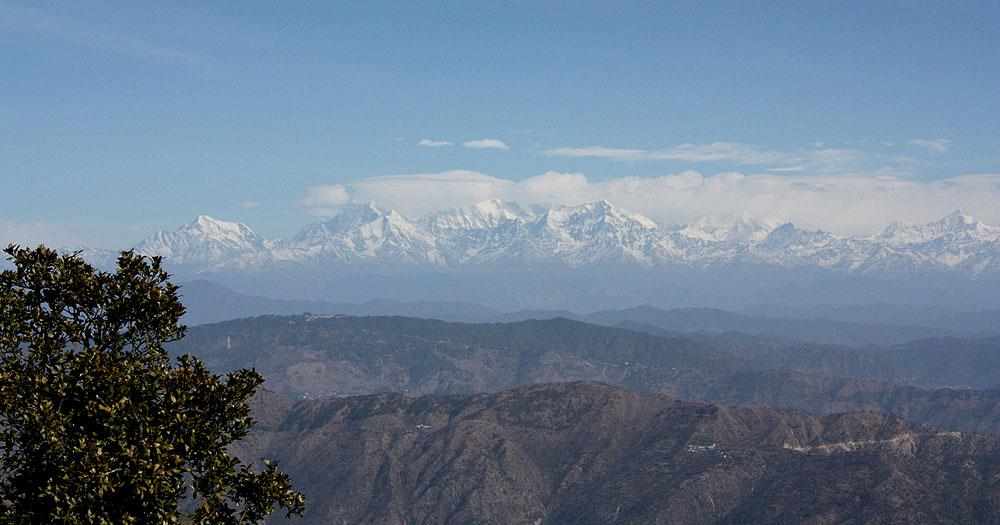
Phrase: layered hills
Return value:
(208, 302)
(324, 356)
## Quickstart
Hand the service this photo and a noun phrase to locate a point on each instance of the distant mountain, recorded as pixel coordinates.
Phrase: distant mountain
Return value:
(956, 241)
(495, 232)
(946, 362)
(360, 234)
(687, 320)
(207, 243)
(985, 322)
(682, 321)
(740, 228)
(207, 302)
(824, 360)
(590, 453)
(317, 356)
(591, 256)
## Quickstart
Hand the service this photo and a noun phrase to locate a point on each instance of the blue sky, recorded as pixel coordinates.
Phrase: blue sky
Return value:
(117, 120)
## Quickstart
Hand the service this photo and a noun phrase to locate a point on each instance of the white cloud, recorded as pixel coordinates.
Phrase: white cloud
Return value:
(425, 192)
(324, 201)
(844, 204)
(434, 143)
(599, 152)
(252, 205)
(816, 159)
(486, 144)
(936, 146)
(788, 169)
(714, 152)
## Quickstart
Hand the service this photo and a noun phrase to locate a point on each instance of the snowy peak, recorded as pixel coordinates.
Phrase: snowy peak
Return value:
(203, 231)
(957, 220)
(362, 231)
(591, 233)
(734, 228)
(484, 215)
(505, 235)
(788, 235)
(209, 228)
(956, 226)
(600, 214)
(205, 241)
(356, 220)
(350, 217)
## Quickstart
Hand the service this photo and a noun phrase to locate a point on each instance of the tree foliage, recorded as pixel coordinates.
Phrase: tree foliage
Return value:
(97, 423)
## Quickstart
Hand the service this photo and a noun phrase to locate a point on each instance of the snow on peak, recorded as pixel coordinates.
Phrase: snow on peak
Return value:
(362, 232)
(205, 240)
(739, 227)
(210, 227)
(955, 226)
(957, 221)
(605, 211)
(349, 218)
(505, 234)
(483, 215)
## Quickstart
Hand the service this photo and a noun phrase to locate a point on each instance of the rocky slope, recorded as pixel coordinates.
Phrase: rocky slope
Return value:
(590, 453)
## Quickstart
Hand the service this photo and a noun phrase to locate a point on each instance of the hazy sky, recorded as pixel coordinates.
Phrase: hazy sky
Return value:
(118, 119)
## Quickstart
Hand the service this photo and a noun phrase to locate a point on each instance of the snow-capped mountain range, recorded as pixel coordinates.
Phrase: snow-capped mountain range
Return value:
(496, 235)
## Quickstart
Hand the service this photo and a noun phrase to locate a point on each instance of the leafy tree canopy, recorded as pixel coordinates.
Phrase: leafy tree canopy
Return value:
(97, 423)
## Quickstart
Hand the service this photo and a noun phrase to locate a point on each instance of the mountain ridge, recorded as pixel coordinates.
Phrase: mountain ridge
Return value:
(496, 233)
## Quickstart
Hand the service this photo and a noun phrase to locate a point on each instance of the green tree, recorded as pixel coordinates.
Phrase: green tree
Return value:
(97, 423)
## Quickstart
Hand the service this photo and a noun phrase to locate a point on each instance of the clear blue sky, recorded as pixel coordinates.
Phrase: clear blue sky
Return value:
(120, 118)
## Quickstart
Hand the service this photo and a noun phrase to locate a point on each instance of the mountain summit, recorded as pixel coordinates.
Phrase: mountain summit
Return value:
(496, 234)
(206, 242)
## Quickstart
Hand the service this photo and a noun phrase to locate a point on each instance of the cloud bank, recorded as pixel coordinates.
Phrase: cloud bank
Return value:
(843, 204)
